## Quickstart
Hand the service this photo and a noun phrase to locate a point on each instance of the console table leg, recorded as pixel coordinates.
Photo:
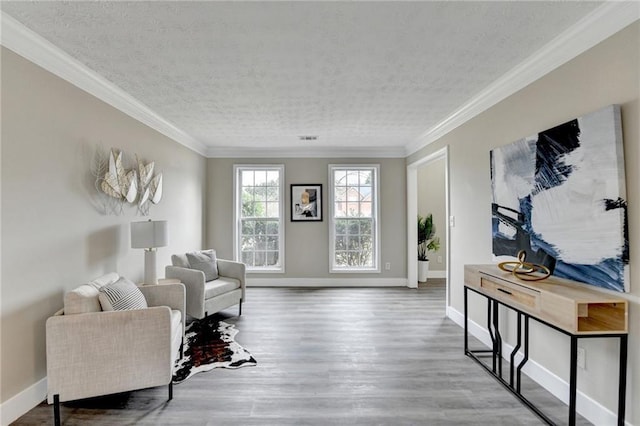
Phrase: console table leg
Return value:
(526, 354)
(498, 343)
(466, 321)
(490, 304)
(515, 350)
(622, 381)
(573, 377)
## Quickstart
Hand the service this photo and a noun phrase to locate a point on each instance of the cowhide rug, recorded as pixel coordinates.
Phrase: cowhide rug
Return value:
(209, 344)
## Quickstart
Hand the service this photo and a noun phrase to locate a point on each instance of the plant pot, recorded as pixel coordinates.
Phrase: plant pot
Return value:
(423, 270)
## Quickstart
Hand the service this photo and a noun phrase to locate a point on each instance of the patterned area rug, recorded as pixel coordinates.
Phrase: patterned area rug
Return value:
(209, 344)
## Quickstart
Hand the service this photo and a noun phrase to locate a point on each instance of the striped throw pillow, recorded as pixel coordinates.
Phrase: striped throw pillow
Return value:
(121, 295)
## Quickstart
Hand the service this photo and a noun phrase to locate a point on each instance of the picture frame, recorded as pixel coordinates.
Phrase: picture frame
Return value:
(306, 202)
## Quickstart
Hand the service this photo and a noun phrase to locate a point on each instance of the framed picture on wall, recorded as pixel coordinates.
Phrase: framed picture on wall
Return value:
(306, 202)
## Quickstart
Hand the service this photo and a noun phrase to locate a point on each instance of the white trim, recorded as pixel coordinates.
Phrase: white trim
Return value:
(43, 53)
(587, 407)
(236, 213)
(315, 152)
(375, 168)
(36, 49)
(326, 282)
(412, 213)
(20, 404)
(412, 230)
(237, 169)
(600, 24)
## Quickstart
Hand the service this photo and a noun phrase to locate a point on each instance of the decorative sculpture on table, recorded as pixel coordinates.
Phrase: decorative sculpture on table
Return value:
(126, 186)
(525, 271)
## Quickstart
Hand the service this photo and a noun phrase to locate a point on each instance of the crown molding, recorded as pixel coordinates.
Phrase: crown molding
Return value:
(591, 30)
(28, 44)
(333, 152)
(597, 26)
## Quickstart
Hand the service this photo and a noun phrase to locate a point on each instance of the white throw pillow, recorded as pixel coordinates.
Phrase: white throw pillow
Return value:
(81, 300)
(206, 262)
(120, 296)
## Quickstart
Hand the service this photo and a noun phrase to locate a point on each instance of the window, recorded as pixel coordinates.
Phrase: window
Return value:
(259, 213)
(354, 218)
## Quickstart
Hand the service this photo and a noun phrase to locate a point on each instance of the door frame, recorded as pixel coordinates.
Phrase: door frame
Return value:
(412, 213)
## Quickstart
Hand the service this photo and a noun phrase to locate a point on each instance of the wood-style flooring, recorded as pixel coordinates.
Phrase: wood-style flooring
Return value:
(331, 356)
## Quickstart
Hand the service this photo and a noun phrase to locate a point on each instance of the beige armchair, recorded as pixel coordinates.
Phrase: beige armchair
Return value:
(208, 297)
(91, 352)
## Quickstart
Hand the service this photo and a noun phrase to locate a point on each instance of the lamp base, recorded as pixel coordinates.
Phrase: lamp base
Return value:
(150, 276)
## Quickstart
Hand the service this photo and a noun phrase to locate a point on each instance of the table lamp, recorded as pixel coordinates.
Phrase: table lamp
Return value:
(149, 235)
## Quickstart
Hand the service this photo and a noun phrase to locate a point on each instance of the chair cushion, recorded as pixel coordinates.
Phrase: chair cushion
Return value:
(204, 261)
(220, 286)
(84, 299)
(109, 278)
(121, 295)
(81, 300)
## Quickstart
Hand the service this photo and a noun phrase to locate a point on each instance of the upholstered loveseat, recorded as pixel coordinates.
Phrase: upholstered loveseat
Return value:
(92, 352)
(212, 284)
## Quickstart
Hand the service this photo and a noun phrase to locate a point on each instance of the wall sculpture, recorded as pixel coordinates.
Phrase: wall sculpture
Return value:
(139, 187)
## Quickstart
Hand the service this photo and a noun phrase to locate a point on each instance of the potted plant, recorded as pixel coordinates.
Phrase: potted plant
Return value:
(427, 241)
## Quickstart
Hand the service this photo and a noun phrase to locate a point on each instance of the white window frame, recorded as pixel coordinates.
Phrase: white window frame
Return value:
(375, 168)
(237, 202)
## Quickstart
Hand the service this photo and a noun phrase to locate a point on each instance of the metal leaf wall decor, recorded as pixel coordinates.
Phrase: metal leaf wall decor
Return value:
(122, 186)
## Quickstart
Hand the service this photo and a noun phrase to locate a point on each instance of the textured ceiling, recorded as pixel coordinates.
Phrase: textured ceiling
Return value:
(260, 74)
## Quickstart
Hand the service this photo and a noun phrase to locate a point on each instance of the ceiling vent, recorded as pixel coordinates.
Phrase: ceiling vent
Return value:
(308, 138)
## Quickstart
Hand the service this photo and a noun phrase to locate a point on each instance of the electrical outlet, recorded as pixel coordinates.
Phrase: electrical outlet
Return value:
(387, 266)
(582, 358)
(439, 260)
(452, 221)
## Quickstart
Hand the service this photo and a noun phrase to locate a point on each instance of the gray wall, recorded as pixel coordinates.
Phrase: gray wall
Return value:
(431, 199)
(606, 74)
(307, 244)
(54, 236)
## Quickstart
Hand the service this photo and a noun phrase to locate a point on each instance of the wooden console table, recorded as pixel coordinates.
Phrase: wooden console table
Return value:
(572, 308)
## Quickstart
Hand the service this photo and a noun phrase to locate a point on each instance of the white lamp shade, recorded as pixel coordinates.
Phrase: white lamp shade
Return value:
(149, 234)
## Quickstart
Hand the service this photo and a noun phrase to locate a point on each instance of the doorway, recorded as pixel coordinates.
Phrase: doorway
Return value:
(429, 167)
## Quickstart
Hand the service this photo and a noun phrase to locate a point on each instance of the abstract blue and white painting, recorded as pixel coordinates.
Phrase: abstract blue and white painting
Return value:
(560, 195)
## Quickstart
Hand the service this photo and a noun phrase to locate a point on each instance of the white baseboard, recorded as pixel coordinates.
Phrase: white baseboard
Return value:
(587, 407)
(20, 404)
(326, 282)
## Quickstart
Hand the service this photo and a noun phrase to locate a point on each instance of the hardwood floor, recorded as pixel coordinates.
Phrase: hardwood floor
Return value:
(358, 356)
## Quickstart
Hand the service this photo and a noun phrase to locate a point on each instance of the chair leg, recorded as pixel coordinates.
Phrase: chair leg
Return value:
(240, 309)
(56, 410)
(170, 390)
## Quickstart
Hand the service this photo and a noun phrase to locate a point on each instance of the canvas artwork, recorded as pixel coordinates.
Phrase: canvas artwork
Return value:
(560, 196)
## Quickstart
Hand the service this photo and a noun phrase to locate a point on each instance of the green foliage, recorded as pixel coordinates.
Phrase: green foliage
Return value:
(354, 242)
(260, 240)
(255, 199)
(427, 241)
